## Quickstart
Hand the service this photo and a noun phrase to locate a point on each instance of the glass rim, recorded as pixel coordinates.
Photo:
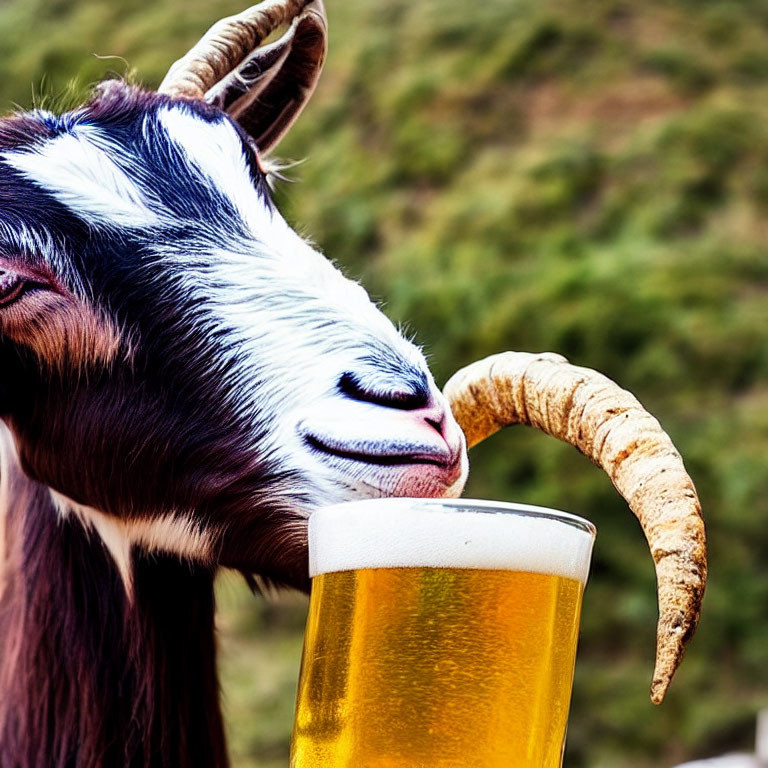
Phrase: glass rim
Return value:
(482, 506)
(402, 532)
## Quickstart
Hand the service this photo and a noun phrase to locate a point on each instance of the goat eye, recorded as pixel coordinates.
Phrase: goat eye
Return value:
(12, 285)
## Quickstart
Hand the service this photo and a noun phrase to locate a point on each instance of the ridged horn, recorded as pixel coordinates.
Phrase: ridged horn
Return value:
(609, 426)
(268, 90)
(226, 44)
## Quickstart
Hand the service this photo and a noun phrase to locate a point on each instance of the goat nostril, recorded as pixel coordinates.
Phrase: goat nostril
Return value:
(391, 397)
(437, 424)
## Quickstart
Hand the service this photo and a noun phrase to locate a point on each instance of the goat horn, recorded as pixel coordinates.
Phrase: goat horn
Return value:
(225, 45)
(609, 426)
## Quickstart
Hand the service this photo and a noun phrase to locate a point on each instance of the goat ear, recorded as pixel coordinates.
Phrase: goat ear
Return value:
(268, 90)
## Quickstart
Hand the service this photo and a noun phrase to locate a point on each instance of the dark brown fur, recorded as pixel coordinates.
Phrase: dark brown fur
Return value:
(115, 683)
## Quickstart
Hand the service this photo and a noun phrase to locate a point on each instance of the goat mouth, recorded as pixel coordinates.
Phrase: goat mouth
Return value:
(378, 456)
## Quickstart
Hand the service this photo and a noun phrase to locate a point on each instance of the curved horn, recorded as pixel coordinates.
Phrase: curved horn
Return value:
(267, 92)
(609, 426)
(225, 45)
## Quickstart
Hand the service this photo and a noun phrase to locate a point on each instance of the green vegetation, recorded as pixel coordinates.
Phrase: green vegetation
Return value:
(584, 177)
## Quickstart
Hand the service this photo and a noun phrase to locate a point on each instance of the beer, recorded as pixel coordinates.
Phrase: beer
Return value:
(440, 635)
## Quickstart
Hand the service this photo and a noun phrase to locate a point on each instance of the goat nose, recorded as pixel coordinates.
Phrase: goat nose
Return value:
(403, 396)
(416, 397)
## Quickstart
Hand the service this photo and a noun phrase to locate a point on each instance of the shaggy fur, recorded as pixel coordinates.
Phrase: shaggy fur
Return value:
(116, 682)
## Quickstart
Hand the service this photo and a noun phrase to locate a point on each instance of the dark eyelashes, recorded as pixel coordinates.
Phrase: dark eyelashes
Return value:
(11, 292)
(18, 290)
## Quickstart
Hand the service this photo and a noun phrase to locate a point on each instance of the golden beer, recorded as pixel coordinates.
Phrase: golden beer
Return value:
(424, 660)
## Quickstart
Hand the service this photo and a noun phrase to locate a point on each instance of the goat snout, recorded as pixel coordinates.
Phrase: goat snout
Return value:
(423, 404)
(419, 398)
(394, 434)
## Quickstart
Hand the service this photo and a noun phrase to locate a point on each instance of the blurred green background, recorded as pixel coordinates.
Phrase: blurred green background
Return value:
(584, 176)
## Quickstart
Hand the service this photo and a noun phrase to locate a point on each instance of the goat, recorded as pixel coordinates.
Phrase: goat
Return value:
(183, 379)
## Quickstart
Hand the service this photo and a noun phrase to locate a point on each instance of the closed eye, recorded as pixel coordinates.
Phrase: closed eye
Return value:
(10, 290)
(17, 282)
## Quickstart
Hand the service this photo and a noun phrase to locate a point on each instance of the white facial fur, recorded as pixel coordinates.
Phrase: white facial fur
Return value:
(273, 293)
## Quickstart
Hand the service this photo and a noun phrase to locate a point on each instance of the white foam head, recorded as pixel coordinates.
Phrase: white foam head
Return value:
(436, 533)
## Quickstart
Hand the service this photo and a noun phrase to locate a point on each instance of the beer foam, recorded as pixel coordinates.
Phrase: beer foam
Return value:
(432, 533)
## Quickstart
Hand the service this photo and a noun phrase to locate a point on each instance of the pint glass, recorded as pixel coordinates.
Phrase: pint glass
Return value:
(441, 634)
